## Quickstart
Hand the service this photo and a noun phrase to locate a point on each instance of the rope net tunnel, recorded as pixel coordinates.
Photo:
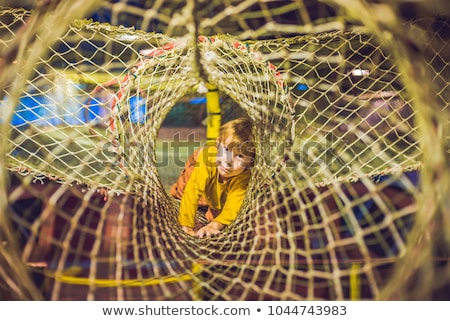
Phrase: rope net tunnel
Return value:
(348, 195)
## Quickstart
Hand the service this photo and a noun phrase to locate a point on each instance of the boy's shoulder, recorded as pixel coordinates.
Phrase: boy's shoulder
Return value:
(209, 150)
(208, 154)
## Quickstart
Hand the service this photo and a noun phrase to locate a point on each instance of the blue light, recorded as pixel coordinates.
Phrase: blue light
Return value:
(302, 87)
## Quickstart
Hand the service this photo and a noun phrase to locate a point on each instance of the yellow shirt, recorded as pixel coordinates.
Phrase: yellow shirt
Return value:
(226, 197)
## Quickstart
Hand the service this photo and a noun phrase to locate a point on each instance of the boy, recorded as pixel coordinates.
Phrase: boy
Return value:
(217, 176)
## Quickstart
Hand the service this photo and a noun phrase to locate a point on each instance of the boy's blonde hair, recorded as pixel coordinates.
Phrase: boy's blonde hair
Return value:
(239, 134)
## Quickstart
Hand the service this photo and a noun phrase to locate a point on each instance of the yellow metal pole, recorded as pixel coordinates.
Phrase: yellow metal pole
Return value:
(355, 282)
(214, 115)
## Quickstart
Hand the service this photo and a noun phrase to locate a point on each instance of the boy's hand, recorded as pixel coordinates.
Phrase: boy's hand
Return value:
(210, 229)
(189, 230)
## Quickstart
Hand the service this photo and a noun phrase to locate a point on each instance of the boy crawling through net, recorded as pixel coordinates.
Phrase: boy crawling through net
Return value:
(216, 176)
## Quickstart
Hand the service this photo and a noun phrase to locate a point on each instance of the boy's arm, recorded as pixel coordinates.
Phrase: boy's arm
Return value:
(230, 210)
(194, 189)
(234, 201)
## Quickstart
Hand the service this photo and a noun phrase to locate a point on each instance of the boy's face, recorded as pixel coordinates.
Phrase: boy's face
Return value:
(231, 162)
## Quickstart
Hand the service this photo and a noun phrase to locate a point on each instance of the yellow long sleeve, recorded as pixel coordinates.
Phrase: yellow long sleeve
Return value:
(225, 197)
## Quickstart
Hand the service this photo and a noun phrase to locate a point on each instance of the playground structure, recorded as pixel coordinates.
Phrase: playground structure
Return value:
(348, 189)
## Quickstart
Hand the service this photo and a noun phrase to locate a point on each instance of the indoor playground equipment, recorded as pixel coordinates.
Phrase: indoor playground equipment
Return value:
(348, 198)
